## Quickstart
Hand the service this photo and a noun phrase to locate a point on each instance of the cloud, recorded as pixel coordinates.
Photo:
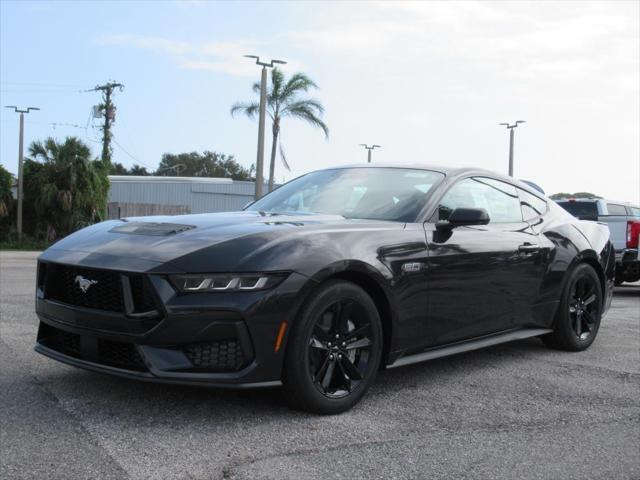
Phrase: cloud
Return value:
(222, 57)
(521, 40)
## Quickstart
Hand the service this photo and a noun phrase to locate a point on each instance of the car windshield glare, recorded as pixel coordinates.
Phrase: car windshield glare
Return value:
(393, 194)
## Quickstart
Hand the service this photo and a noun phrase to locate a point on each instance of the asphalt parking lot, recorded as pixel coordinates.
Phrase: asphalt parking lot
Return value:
(513, 411)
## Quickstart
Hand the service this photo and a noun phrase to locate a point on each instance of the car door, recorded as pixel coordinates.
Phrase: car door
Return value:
(480, 277)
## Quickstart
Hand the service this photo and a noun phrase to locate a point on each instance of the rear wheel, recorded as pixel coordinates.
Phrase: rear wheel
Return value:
(578, 317)
(334, 349)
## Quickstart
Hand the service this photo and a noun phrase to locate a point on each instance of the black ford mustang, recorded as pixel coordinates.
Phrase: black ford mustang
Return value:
(324, 281)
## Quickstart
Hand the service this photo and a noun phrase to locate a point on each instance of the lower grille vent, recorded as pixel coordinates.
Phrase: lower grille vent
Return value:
(221, 355)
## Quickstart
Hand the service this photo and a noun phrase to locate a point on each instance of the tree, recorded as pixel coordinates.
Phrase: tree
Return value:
(139, 170)
(284, 100)
(207, 164)
(6, 201)
(64, 189)
(557, 196)
(6, 182)
(118, 169)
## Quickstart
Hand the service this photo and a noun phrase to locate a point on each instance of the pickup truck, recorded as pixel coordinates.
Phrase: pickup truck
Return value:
(624, 224)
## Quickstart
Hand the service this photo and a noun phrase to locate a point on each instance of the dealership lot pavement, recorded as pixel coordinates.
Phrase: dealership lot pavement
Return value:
(512, 411)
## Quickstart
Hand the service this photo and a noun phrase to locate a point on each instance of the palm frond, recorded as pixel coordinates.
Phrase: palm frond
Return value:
(298, 82)
(306, 113)
(309, 103)
(283, 157)
(250, 109)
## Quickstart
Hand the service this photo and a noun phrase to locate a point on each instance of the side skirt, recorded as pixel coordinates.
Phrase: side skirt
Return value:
(469, 345)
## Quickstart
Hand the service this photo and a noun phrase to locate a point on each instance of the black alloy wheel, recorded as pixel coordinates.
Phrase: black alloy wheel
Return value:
(340, 348)
(584, 307)
(334, 349)
(578, 316)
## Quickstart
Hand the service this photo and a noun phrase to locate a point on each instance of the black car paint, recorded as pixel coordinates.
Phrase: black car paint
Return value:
(465, 283)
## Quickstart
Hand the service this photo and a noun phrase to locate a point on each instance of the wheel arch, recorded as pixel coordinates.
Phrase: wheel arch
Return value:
(371, 281)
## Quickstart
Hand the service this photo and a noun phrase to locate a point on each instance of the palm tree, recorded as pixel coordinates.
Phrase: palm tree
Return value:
(66, 189)
(284, 100)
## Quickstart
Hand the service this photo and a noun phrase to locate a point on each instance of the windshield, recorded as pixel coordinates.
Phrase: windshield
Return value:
(395, 194)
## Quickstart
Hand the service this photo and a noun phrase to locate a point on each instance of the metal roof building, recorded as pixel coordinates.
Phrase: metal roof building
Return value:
(142, 195)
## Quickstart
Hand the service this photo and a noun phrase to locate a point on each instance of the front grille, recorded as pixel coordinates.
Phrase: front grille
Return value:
(103, 288)
(105, 352)
(61, 341)
(221, 355)
(120, 354)
(103, 292)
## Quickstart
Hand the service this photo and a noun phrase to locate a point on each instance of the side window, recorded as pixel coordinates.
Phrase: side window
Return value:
(613, 209)
(531, 205)
(499, 199)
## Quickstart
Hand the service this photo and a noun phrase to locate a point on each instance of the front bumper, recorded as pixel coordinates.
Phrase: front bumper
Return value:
(210, 339)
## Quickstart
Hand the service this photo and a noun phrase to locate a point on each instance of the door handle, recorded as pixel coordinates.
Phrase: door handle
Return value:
(528, 248)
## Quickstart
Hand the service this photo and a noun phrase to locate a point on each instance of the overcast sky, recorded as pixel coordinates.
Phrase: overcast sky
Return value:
(429, 81)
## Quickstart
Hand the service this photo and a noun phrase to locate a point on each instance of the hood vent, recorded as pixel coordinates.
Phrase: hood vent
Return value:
(151, 228)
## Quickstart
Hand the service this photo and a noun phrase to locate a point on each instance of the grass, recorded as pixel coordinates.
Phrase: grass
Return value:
(26, 243)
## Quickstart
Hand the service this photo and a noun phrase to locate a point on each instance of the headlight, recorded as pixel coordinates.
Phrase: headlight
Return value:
(226, 282)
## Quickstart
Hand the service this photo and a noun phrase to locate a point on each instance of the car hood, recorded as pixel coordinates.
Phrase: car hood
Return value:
(144, 243)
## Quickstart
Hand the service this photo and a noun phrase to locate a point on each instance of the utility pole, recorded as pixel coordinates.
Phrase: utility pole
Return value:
(21, 165)
(369, 149)
(510, 128)
(261, 122)
(109, 116)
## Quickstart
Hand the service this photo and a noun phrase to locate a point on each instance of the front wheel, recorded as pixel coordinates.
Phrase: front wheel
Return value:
(578, 317)
(334, 349)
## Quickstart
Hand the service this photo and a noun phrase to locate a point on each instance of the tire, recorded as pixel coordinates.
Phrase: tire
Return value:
(578, 317)
(323, 373)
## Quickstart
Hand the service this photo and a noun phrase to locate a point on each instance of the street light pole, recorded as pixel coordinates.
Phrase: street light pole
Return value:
(20, 164)
(261, 122)
(511, 135)
(369, 149)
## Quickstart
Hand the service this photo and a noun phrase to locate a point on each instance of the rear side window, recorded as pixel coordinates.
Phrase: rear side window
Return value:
(581, 210)
(614, 209)
(531, 205)
(635, 211)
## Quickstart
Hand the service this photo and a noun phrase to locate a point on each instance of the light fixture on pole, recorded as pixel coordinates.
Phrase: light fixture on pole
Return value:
(369, 149)
(510, 128)
(261, 121)
(20, 164)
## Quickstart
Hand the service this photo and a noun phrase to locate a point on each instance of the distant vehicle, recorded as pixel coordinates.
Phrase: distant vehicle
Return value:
(624, 224)
(324, 281)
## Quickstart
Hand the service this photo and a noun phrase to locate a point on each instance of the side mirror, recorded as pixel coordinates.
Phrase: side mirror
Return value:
(465, 217)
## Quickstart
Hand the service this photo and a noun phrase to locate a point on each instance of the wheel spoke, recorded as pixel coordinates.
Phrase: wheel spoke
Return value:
(336, 311)
(320, 333)
(589, 320)
(323, 368)
(343, 320)
(578, 324)
(590, 299)
(350, 369)
(345, 377)
(328, 374)
(357, 332)
(361, 343)
(315, 343)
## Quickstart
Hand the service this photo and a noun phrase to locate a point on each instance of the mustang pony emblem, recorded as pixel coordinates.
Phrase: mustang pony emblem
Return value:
(84, 283)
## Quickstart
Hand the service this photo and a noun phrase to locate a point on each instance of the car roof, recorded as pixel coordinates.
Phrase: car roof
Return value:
(605, 200)
(449, 171)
